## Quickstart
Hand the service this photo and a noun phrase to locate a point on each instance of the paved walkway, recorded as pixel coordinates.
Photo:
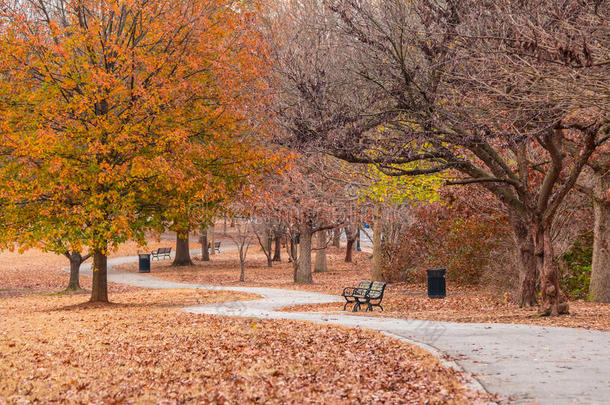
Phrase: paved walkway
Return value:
(545, 365)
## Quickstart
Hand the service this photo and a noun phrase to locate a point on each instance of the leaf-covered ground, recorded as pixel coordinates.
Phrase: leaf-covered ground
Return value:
(141, 349)
(463, 304)
(34, 271)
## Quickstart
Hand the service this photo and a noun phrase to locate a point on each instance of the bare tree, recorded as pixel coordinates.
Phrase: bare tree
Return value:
(242, 238)
(263, 231)
(457, 86)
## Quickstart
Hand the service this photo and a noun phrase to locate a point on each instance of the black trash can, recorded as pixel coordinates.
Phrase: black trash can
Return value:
(144, 263)
(436, 283)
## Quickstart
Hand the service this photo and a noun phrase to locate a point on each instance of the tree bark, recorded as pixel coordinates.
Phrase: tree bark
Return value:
(321, 264)
(303, 274)
(183, 255)
(348, 250)
(599, 289)
(205, 252)
(376, 270)
(268, 253)
(242, 264)
(277, 255)
(526, 256)
(292, 257)
(99, 288)
(76, 259)
(212, 238)
(554, 301)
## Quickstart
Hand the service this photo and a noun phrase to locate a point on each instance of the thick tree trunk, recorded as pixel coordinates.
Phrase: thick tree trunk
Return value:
(377, 270)
(99, 288)
(205, 252)
(277, 255)
(348, 250)
(183, 255)
(75, 261)
(337, 237)
(303, 275)
(212, 238)
(554, 301)
(526, 255)
(599, 290)
(321, 265)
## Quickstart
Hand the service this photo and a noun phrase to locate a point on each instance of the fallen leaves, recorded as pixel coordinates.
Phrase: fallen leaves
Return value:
(56, 349)
(401, 300)
(37, 272)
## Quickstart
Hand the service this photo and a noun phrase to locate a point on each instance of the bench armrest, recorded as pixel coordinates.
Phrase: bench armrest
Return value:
(348, 291)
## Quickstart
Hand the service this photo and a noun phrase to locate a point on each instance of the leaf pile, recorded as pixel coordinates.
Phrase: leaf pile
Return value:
(137, 350)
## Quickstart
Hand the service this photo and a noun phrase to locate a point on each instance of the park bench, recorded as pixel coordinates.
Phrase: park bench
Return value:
(161, 253)
(216, 246)
(367, 293)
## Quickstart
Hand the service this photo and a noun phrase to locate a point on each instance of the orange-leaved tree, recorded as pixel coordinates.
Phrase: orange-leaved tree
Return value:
(94, 97)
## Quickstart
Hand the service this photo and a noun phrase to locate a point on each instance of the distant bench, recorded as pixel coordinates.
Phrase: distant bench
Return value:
(216, 246)
(367, 293)
(161, 253)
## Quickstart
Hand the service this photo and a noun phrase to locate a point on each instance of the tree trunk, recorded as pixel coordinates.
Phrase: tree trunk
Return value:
(268, 252)
(99, 288)
(212, 238)
(337, 237)
(376, 270)
(277, 255)
(554, 301)
(528, 273)
(75, 261)
(183, 255)
(303, 275)
(205, 252)
(242, 266)
(292, 257)
(599, 290)
(348, 250)
(321, 265)
(293, 251)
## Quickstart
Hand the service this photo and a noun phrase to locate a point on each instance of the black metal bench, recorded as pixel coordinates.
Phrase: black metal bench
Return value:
(375, 295)
(367, 293)
(161, 253)
(216, 246)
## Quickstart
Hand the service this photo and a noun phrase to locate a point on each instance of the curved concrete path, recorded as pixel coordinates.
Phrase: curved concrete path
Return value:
(544, 365)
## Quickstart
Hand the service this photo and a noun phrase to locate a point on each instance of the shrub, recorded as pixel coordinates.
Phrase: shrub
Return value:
(575, 267)
(445, 235)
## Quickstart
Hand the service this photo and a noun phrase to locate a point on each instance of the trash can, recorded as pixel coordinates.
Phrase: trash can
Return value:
(436, 283)
(144, 262)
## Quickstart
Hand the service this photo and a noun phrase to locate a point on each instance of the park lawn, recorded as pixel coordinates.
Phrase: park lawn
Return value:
(141, 349)
(402, 300)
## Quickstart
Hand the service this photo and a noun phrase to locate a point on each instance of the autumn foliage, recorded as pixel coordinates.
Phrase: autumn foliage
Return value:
(115, 115)
(457, 233)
